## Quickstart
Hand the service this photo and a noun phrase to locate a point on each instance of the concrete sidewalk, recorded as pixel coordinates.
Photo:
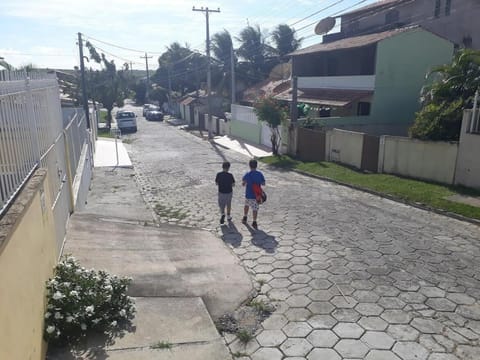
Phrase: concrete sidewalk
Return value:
(182, 277)
(106, 153)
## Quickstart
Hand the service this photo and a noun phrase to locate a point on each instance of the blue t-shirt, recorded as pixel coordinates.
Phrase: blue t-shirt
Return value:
(250, 178)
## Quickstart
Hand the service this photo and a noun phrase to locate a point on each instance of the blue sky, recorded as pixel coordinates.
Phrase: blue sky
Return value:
(44, 32)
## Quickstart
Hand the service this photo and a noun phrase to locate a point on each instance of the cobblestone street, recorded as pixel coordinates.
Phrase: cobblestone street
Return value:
(351, 275)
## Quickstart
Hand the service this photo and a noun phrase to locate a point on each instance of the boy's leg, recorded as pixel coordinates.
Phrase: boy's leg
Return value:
(229, 207)
(255, 213)
(245, 212)
(221, 205)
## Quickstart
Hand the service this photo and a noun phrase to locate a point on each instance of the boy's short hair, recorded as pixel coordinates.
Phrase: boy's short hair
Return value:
(253, 164)
(226, 165)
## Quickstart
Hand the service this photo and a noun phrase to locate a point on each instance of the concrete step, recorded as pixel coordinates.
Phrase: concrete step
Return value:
(183, 323)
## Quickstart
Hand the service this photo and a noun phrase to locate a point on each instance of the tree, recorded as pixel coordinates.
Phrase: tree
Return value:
(445, 98)
(6, 66)
(285, 40)
(271, 112)
(108, 85)
(256, 53)
(222, 52)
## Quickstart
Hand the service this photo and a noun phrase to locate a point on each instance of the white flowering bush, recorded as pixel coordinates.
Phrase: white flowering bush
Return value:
(81, 300)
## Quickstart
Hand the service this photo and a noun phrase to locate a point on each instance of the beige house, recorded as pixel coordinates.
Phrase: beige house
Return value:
(455, 20)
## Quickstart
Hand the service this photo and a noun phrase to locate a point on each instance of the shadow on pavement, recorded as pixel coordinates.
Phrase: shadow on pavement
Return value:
(262, 240)
(231, 235)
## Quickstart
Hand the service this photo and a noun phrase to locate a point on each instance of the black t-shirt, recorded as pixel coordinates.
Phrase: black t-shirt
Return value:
(225, 181)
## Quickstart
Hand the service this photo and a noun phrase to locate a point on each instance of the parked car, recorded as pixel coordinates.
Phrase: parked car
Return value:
(148, 107)
(126, 120)
(154, 115)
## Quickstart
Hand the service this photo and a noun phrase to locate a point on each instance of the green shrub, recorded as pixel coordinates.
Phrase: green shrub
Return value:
(82, 300)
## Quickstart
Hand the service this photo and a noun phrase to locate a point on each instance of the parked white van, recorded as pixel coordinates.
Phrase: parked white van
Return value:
(126, 120)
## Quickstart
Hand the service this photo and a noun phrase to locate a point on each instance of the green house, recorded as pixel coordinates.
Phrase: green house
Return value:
(369, 83)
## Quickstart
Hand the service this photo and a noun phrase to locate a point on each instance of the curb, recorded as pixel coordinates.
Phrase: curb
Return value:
(393, 198)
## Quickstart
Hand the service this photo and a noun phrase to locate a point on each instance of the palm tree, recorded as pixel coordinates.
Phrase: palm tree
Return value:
(285, 40)
(222, 51)
(5, 65)
(444, 99)
(256, 52)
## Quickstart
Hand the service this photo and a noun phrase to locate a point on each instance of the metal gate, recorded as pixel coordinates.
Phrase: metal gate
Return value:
(310, 145)
(370, 150)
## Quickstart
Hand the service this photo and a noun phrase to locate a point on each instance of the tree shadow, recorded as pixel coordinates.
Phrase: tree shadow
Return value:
(262, 240)
(231, 235)
(93, 346)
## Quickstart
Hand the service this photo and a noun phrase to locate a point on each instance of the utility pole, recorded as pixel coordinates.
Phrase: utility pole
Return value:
(207, 11)
(232, 67)
(131, 68)
(84, 87)
(148, 77)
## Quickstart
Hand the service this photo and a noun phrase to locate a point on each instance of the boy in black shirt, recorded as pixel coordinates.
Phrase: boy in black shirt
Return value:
(225, 182)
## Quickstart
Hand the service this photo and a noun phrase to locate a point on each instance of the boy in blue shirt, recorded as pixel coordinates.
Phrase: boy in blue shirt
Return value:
(249, 179)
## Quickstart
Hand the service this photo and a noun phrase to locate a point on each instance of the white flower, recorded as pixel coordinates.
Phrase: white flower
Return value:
(58, 295)
(89, 309)
(66, 284)
(58, 315)
(109, 287)
(69, 318)
(47, 315)
(50, 329)
(96, 321)
(83, 327)
(114, 323)
(78, 271)
(73, 293)
(53, 282)
(123, 312)
(71, 259)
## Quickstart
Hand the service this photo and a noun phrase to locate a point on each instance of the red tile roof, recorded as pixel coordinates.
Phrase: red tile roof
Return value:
(352, 42)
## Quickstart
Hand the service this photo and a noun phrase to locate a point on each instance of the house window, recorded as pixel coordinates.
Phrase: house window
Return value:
(448, 7)
(363, 108)
(391, 17)
(438, 4)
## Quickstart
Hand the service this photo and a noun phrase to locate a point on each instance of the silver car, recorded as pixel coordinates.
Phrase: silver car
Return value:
(126, 120)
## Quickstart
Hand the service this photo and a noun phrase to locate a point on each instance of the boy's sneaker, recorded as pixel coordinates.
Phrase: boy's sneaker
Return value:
(222, 219)
(254, 225)
(229, 217)
(244, 220)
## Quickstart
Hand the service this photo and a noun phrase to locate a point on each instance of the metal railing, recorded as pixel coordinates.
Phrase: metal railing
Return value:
(30, 123)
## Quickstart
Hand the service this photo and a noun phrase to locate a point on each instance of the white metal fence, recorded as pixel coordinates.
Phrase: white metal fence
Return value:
(35, 132)
(474, 125)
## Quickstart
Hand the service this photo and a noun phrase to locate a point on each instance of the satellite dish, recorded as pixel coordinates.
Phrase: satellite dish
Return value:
(324, 25)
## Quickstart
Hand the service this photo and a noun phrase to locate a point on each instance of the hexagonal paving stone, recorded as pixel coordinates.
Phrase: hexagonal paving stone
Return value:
(362, 284)
(323, 354)
(348, 330)
(298, 301)
(432, 292)
(279, 283)
(299, 269)
(267, 354)
(282, 264)
(322, 338)
(460, 298)
(373, 323)
(442, 356)
(427, 326)
(321, 295)
(300, 278)
(365, 296)
(320, 284)
(347, 315)
(271, 338)
(321, 307)
(378, 340)
(391, 303)
(468, 352)
(411, 297)
(403, 332)
(410, 351)
(281, 273)
(275, 322)
(381, 355)
(344, 301)
(396, 316)
(386, 290)
(441, 304)
(300, 261)
(298, 314)
(369, 309)
(322, 322)
(296, 347)
(407, 285)
(338, 270)
(429, 343)
(248, 348)
(297, 329)
(351, 348)
(279, 294)
(471, 312)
